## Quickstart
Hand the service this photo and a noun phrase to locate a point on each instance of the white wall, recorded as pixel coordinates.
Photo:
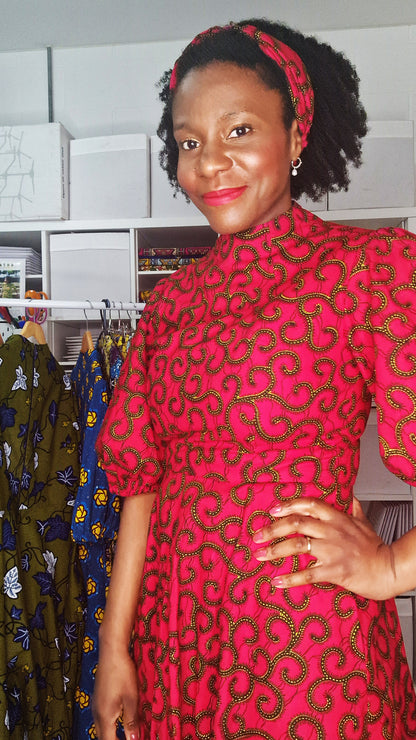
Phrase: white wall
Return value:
(23, 87)
(385, 59)
(111, 89)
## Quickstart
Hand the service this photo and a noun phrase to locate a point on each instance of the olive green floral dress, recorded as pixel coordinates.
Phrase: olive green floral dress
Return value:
(42, 601)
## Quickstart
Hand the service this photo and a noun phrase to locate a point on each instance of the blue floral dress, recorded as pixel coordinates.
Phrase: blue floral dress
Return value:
(94, 527)
(42, 603)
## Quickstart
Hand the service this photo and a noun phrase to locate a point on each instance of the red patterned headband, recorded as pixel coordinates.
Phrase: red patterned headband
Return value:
(299, 83)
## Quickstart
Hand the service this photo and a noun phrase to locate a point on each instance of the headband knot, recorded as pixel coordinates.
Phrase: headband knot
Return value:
(298, 81)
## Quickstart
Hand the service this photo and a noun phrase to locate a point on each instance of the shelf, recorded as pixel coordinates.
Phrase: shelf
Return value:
(156, 272)
(376, 216)
(103, 225)
(384, 496)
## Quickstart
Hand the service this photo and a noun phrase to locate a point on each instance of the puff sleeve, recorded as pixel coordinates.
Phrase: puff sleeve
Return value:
(127, 446)
(391, 324)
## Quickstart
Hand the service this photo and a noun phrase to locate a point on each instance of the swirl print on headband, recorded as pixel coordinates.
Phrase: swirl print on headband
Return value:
(298, 80)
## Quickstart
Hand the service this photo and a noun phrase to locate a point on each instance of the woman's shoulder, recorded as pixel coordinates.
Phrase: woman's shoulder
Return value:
(352, 235)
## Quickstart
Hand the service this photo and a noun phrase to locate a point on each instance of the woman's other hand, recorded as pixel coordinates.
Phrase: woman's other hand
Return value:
(115, 695)
(346, 549)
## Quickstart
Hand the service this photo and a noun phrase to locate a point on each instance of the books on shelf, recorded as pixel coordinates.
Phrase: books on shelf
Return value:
(32, 258)
(390, 519)
(174, 251)
(146, 264)
(169, 259)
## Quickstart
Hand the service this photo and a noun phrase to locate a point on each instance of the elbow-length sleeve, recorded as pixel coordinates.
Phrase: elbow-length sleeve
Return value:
(392, 326)
(127, 445)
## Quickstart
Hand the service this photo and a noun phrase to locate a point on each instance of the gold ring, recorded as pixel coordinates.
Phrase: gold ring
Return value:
(309, 547)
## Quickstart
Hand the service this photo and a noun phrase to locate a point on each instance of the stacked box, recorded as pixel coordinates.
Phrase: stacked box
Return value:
(34, 172)
(110, 177)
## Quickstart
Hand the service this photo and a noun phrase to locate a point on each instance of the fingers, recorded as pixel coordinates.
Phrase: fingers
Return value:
(106, 729)
(307, 506)
(285, 548)
(294, 524)
(131, 731)
(314, 574)
(116, 694)
(106, 732)
(338, 544)
(307, 526)
(131, 726)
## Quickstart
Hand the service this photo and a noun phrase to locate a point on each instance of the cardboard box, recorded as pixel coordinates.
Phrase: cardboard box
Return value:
(386, 176)
(109, 177)
(89, 266)
(164, 204)
(34, 172)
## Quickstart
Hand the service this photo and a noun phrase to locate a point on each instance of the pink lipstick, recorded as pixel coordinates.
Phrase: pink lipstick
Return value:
(219, 197)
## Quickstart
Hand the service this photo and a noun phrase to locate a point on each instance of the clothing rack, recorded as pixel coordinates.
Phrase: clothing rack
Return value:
(86, 305)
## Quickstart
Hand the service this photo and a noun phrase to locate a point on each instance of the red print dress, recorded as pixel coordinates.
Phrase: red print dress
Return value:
(249, 381)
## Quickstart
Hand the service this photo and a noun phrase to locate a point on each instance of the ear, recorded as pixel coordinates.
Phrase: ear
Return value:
(295, 140)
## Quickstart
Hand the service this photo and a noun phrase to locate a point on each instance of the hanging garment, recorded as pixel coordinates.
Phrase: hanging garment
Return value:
(42, 602)
(94, 527)
(249, 382)
(112, 348)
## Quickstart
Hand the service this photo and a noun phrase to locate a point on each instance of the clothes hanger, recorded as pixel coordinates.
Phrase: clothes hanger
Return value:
(32, 329)
(87, 344)
(103, 314)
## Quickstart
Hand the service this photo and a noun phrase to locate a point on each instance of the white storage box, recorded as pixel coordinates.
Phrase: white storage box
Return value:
(109, 177)
(163, 202)
(34, 172)
(386, 177)
(89, 266)
(405, 610)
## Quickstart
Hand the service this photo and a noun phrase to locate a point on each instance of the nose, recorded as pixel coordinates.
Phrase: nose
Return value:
(213, 158)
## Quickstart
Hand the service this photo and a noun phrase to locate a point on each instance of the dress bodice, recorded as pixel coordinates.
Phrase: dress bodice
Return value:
(268, 349)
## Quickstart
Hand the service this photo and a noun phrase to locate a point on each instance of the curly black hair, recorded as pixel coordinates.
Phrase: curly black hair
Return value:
(339, 118)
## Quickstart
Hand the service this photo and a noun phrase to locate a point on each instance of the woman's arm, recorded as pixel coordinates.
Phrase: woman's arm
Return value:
(116, 690)
(348, 552)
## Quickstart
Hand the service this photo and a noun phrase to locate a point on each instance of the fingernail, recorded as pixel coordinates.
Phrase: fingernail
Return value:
(278, 582)
(276, 510)
(258, 536)
(261, 554)
(133, 736)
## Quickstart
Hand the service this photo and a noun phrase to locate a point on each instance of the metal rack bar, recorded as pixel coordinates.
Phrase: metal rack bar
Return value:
(81, 305)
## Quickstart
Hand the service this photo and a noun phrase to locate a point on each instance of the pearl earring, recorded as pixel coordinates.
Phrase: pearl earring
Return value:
(295, 166)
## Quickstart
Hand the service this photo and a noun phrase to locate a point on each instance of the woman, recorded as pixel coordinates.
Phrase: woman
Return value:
(249, 383)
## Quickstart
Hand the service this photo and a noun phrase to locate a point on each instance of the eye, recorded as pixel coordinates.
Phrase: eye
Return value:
(239, 131)
(189, 144)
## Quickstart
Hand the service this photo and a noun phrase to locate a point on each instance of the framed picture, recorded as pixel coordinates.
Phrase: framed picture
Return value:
(12, 278)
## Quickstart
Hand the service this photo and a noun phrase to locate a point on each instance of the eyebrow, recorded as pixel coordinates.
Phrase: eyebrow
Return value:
(225, 117)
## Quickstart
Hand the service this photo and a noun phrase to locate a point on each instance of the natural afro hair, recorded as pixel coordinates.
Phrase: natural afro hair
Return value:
(339, 120)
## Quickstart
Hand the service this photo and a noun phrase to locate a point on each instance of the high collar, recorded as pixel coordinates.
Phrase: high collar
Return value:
(287, 235)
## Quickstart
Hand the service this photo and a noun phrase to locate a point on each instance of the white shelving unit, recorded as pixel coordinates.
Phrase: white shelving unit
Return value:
(192, 231)
(162, 232)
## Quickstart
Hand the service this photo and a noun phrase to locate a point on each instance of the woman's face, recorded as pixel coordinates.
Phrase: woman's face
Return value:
(234, 150)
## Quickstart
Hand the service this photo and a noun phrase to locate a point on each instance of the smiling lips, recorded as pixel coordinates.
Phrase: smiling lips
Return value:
(219, 197)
